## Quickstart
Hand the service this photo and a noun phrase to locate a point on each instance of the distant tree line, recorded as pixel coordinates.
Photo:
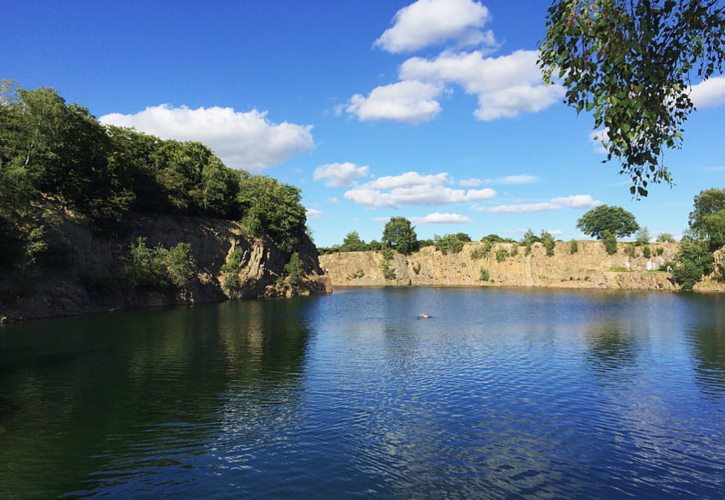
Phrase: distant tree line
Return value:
(57, 154)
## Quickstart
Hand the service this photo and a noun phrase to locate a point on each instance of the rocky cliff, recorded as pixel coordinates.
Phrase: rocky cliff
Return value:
(589, 267)
(91, 277)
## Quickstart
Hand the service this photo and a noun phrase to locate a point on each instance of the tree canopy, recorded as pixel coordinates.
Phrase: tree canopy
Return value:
(630, 63)
(707, 219)
(604, 218)
(52, 152)
(353, 243)
(400, 235)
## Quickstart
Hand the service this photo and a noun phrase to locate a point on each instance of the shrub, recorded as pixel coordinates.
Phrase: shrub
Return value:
(388, 272)
(659, 251)
(610, 242)
(478, 253)
(665, 238)
(294, 270)
(573, 247)
(231, 283)
(180, 265)
(484, 274)
(159, 267)
(643, 236)
(687, 275)
(646, 252)
(630, 250)
(514, 250)
(691, 263)
(448, 243)
(549, 243)
(501, 254)
(416, 268)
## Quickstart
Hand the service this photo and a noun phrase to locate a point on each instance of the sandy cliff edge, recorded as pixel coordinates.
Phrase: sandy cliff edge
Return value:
(589, 267)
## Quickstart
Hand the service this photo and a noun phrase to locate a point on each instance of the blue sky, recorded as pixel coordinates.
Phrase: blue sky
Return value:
(343, 97)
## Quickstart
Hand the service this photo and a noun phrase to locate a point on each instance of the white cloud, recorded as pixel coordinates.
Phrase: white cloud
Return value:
(408, 179)
(429, 22)
(470, 182)
(709, 93)
(409, 101)
(241, 139)
(339, 174)
(555, 232)
(441, 218)
(579, 201)
(412, 188)
(313, 213)
(506, 86)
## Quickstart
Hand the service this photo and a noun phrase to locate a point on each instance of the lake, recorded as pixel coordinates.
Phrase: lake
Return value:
(502, 393)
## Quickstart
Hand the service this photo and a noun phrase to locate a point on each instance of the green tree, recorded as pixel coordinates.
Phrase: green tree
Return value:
(665, 238)
(642, 237)
(64, 151)
(630, 62)
(353, 243)
(603, 218)
(450, 243)
(610, 242)
(707, 219)
(294, 270)
(549, 242)
(400, 235)
(271, 207)
(691, 263)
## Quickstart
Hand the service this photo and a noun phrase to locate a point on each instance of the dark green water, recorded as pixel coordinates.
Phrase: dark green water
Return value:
(502, 393)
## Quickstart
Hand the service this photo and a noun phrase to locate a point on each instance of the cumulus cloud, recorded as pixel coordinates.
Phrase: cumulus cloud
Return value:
(429, 22)
(339, 174)
(408, 179)
(709, 93)
(412, 188)
(409, 101)
(241, 139)
(579, 201)
(506, 86)
(441, 218)
(470, 182)
(313, 213)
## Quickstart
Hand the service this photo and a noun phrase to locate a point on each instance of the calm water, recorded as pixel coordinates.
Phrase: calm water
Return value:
(502, 393)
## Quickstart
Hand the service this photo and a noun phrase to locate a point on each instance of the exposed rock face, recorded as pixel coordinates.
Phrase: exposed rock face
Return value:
(590, 267)
(92, 280)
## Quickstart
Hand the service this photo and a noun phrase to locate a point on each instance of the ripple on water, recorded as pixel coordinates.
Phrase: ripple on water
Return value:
(503, 393)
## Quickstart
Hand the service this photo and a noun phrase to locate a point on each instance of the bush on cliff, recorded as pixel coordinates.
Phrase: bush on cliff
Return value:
(159, 267)
(691, 263)
(450, 243)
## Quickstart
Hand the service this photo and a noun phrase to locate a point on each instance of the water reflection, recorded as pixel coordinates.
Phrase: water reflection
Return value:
(708, 344)
(503, 393)
(113, 397)
(610, 347)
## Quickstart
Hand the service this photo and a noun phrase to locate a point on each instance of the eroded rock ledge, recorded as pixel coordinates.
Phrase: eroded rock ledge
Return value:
(90, 282)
